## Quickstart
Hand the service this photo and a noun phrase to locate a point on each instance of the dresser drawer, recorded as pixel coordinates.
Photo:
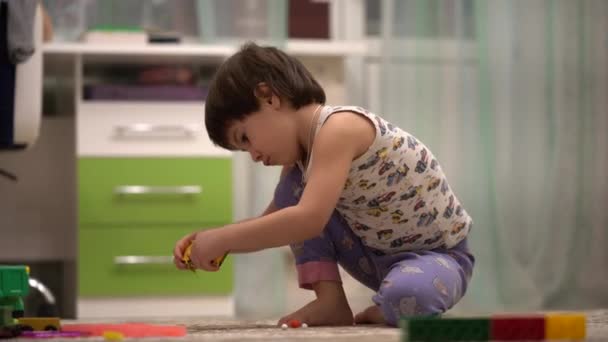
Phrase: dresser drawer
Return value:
(143, 129)
(155, 190)
(125, 260)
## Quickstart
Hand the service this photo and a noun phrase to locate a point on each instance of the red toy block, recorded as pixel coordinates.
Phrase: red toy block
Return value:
(510, 328)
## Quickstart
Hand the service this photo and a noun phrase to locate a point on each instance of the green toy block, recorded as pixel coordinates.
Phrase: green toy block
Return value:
(14, 281)
(14, 285)
(445, 329)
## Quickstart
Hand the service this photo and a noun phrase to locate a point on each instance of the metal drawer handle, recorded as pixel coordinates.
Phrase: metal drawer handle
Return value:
(144, 129)
(142, 260)
(162, 190)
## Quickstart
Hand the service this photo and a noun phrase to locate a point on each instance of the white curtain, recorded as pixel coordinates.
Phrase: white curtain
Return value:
(512, 96)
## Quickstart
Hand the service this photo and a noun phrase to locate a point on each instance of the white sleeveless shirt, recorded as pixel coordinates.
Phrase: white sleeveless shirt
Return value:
(396, 197)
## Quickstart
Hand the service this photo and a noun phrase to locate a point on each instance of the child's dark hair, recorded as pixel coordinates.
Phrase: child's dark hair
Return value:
(232, 90)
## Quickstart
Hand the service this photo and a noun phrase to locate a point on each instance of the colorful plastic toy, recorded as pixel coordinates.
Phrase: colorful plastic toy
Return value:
(569, 326)
(294, 323)
(39, 323)
(128, 330)
(186, 259)
(565, 326)
(14, 285)
(113, 335)
(53, 334)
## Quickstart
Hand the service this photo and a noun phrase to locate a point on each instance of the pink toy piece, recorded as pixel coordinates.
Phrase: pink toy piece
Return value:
(53, 334)
(129, 329)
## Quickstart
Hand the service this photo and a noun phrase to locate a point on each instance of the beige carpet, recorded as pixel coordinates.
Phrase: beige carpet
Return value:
(234, 330)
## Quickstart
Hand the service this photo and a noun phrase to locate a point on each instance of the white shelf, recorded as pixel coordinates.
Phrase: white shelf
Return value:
(320, 48)
(144, 50)
(325, 48)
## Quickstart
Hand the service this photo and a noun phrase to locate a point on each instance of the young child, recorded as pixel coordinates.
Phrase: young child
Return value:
(355, 190)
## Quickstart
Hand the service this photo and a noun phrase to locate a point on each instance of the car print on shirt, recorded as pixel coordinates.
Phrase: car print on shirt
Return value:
(383, 152)
(433, 184)
(342, 206)
(386, 197)
(371, 161)
(444, 186)
(397, 217)
(385, 167)
(405, 239)
(398, 142)
(433, 240)
(412, 142)
(360, 200)
(419, 204)
(457, 228)
(411, 192)
(381, 125)
(427, 218)
(447, 213)
(347, 184)
(422, 163)
(385, 234)
(361, 227)
(397, 176)
(376, 212)
(364, 184)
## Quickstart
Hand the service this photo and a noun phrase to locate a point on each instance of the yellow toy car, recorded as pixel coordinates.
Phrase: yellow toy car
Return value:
(39, 323)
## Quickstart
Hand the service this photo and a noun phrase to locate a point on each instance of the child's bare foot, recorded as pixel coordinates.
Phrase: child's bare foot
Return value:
(322, 312)
(371, 315)
(330, 307)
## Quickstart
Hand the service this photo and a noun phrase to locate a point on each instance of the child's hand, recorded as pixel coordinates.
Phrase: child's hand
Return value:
(207, 246)
(180, 247)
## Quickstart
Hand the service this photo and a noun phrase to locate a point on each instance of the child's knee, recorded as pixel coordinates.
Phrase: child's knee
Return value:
(408, 301)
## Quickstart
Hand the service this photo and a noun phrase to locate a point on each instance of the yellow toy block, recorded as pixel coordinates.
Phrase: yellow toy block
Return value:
(560, 326)
(110, 335)
(40, 323)
(186, 259)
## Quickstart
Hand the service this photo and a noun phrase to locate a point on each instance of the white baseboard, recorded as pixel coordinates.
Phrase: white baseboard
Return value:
(155, 307)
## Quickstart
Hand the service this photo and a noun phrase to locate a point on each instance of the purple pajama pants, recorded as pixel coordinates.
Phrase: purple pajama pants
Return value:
(416, 283)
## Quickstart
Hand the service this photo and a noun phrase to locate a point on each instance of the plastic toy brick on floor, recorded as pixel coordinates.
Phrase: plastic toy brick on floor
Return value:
(113, 336)
(39, 323)
(53, 334)
(129, 329)
(517, 328)
(564, 326)
(14, 286)
(445, 329)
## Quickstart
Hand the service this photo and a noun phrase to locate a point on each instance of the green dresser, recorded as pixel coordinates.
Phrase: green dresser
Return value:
(133, 210)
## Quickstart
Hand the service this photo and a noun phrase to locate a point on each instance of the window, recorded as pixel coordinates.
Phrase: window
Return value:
(426, 19)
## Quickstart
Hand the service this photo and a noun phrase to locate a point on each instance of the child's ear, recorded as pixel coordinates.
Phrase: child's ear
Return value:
(262, 92)
(265, 95)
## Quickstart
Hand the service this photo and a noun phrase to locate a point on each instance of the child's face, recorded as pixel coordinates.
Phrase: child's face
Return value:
(269, 135)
